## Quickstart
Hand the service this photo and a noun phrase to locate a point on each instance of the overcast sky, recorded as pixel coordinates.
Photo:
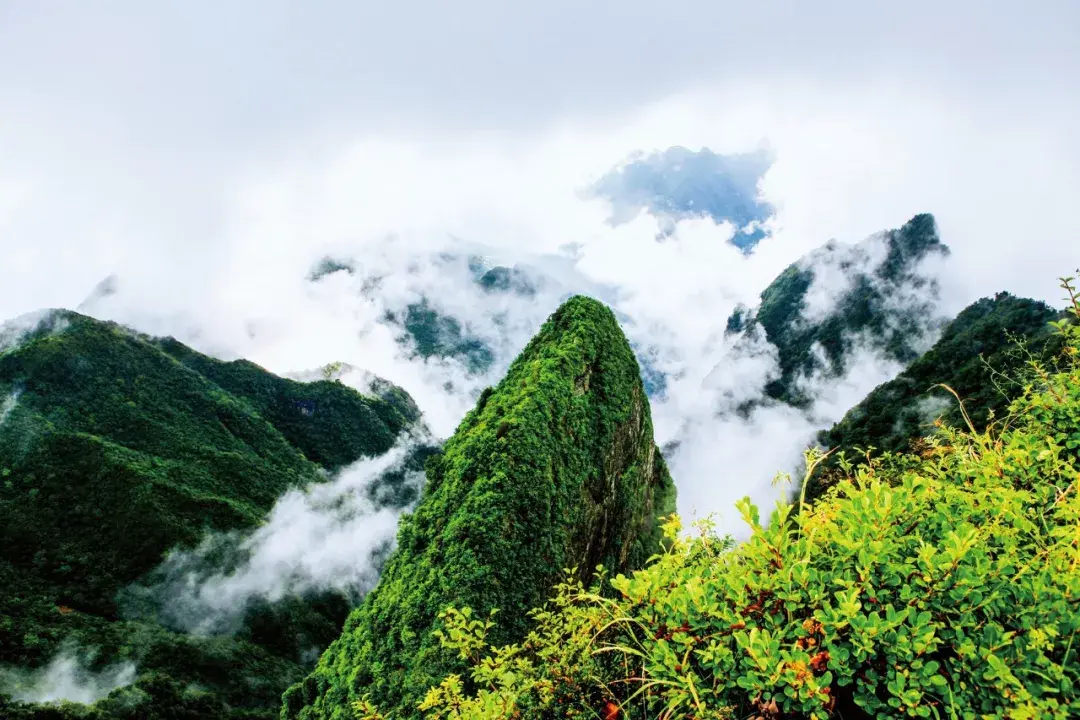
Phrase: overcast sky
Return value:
(236, 73)
(127, 123)
(208, 152)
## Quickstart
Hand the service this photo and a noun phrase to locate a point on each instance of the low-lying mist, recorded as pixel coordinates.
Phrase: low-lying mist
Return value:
(330, 536)
(67, 678)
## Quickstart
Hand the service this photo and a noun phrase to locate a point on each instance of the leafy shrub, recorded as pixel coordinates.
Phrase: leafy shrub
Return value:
(942, 585)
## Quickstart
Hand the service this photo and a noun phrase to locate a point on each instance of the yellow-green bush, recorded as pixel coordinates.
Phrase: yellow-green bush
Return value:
(941, 585)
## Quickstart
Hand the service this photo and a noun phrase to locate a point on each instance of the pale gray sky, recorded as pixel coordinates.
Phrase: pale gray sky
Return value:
(224, 75)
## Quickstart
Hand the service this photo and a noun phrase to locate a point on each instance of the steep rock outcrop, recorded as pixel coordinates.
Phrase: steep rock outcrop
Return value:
(556, 467)
(875, 294)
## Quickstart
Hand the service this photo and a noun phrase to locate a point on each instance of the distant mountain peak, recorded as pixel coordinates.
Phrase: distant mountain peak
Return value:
(875, 293)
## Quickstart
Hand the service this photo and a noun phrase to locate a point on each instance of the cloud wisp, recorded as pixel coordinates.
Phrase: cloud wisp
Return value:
(67, 678)
(328, 536)
(8, 406)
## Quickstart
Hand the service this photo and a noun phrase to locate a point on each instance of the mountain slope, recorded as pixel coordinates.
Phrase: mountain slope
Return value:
(116, 447)
(105, 422)
(434, 334)
(331, 425)
(980, 355)
(555, 467)
(838, 297)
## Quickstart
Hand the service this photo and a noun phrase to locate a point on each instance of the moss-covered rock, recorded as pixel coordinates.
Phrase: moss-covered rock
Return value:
(556, 467)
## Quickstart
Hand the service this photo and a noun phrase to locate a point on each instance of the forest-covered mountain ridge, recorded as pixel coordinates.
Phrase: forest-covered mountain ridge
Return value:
(115, 448)
(555, 467)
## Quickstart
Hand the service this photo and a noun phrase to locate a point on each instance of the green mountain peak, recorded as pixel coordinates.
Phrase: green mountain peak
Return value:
(556, 467)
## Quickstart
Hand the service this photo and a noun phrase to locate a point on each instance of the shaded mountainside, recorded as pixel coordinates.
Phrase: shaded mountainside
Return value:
(430, 332)
(329, 423)
(980, 355)
(556, 467)
(427, 331)
(116, 447)
(839, 296)
(433, 334)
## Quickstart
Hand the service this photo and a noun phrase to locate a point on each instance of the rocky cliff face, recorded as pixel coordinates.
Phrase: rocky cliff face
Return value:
(555, 468)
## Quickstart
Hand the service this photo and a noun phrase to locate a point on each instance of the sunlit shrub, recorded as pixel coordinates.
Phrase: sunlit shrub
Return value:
(940, 585)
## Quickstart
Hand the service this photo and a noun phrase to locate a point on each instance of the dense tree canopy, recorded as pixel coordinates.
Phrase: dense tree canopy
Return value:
(116, 447)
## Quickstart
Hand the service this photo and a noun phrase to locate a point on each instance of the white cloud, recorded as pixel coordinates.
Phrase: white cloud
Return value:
(930, 408)
(8, 406)
(728, 455)
(328, 536)
(68, 678)
(15, 331)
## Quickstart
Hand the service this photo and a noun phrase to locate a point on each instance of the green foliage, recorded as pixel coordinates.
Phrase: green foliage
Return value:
(240, 678)
(554, 664)
(983, 355)
(331, 424)
(946, 585)
(118, 447)
(556, 467)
